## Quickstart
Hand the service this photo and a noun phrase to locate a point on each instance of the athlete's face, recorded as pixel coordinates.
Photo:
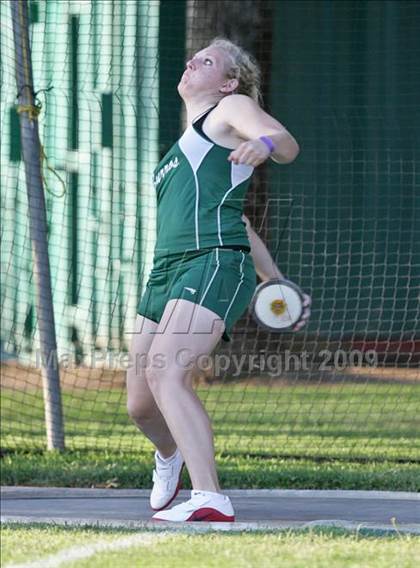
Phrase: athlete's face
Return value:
(204, 73)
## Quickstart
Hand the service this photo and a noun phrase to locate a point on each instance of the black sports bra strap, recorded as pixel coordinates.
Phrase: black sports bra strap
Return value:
(202, 118)
(198, 124)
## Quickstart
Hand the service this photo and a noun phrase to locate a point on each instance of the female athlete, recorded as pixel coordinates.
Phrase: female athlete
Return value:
(204, 269)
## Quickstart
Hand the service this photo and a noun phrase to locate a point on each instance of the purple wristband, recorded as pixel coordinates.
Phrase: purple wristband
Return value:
(269, 143)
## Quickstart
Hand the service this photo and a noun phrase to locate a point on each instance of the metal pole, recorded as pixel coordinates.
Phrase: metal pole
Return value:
(31, 150)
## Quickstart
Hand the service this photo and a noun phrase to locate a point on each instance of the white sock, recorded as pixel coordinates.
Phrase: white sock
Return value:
(166, 460)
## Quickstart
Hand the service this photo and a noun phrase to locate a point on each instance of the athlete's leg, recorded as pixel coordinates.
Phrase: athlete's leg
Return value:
(172, 389)
(141, 405)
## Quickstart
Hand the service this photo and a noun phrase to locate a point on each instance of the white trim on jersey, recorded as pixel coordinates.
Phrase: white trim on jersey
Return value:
(197, 199)
(238, 286)
(195, 148)
(238, 174)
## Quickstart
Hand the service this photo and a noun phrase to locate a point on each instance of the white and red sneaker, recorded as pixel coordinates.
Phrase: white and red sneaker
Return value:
(166, 480)
(203, 506)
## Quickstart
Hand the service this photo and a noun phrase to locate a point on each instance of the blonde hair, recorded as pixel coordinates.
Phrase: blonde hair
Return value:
(242, 66)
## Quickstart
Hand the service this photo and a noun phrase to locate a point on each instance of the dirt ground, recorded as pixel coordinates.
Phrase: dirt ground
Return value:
(15, 375)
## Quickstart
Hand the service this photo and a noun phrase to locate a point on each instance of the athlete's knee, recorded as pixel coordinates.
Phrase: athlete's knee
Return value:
(155, 377)
(163, 381)
(141, 410)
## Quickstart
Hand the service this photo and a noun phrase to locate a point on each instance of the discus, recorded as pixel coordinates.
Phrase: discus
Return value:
(277, 305)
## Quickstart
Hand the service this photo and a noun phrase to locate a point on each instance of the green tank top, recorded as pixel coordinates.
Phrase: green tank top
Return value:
(200, 195)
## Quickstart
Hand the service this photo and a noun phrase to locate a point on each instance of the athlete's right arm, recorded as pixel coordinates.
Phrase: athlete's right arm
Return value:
(264, 264)
(266, 269)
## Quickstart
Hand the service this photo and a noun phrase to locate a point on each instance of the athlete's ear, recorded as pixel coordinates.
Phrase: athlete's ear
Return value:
(230, 86)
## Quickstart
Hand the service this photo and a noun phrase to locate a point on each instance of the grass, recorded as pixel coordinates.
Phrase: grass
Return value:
(317, 548)
(348, 436)
(123, 470)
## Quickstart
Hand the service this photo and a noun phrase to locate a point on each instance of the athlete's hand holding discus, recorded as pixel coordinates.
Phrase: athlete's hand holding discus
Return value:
(278, 304)
(306, 313)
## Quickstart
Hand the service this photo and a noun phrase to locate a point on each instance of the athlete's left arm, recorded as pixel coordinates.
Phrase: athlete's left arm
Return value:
(250, 122)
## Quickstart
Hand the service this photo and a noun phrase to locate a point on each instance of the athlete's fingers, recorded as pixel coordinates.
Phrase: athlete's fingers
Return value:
(241, 159)
(252, 158)
(238, 155)
(303, 321)
(306, 314)
(307, 300)
(299, 325)
(249, 152)
(247, 156)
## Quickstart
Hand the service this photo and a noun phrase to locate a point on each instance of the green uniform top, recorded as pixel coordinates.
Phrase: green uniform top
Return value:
(200, 195)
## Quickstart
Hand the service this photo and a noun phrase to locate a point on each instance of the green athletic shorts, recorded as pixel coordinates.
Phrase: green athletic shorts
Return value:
(221, 279)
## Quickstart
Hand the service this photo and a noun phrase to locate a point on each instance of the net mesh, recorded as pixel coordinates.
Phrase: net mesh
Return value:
(342, 220)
